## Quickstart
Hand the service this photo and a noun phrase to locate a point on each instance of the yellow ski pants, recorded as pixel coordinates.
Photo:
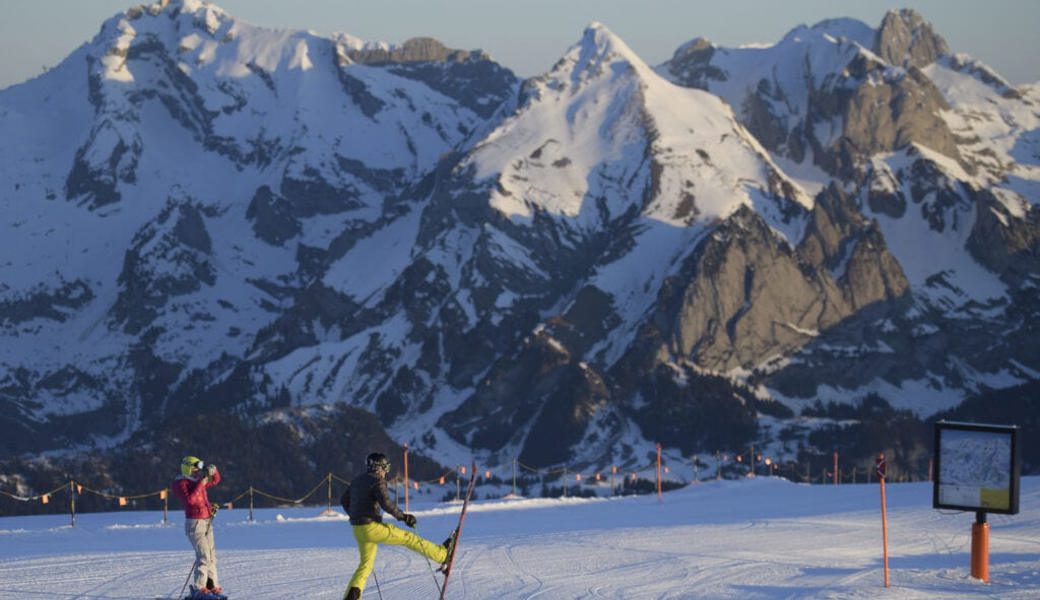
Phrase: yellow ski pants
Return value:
(370, 536)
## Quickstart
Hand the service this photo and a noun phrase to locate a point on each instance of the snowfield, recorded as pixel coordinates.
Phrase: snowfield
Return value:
(763, 538)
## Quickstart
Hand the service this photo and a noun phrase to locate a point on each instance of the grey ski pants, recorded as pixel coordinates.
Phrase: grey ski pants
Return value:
(200, 533)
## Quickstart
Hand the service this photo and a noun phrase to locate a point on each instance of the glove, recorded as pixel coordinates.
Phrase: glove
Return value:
(210, 470)
(213, 510)
(409, 520)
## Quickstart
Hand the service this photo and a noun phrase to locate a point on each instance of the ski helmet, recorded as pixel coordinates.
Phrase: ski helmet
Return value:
(189, 463)
(378, 460)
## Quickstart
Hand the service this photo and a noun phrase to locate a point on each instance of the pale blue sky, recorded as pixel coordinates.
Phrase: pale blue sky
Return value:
(529, 35)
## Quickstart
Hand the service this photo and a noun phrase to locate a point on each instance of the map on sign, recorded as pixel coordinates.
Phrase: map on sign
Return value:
(975, 469)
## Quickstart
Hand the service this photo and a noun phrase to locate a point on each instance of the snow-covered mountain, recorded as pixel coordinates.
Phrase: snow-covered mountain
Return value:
(934, 150)
(206, 216)
(177, 183)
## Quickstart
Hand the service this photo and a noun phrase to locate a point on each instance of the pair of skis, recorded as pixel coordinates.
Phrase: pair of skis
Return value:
(458, 530)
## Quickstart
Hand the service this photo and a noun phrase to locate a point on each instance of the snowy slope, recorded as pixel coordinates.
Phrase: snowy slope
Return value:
(765, 539)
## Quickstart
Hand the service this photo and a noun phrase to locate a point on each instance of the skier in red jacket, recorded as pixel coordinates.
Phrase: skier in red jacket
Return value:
(190, 487)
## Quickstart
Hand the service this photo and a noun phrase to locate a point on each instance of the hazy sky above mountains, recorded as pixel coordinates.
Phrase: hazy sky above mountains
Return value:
(529, 35)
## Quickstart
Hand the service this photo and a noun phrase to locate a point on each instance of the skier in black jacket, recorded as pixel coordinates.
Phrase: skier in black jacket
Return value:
(364, 502)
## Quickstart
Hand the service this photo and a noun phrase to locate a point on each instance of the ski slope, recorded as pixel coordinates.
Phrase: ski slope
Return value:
(753, 539)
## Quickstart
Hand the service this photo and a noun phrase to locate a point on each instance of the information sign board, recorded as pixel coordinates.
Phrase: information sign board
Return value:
(976, 467)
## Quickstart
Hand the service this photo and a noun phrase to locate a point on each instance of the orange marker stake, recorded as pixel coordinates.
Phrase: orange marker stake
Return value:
(884, 513)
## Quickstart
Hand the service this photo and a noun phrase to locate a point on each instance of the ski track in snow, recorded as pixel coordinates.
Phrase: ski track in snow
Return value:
(763, 539)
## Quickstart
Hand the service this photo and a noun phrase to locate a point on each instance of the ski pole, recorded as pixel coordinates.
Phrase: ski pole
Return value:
(379, 591)
(188, 578)
(429, 564)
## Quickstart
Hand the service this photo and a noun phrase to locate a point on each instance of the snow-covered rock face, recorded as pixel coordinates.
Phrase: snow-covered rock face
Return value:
(926, 143)
(830, 94)
(905, 39)
(203, 214)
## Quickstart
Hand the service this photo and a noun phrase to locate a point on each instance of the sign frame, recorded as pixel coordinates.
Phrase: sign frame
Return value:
(1014, 466)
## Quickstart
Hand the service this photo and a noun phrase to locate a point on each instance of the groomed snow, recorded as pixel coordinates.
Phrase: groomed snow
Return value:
(754, 539)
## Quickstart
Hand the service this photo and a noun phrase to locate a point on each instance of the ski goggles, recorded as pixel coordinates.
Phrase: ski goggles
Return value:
(195, 465)
(384, 465)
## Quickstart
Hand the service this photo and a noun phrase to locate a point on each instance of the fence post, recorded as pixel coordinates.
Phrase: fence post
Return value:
(330, 491)
(658, 471)
(165, 505)
(250, 504)
(72, 502)
(406, 477)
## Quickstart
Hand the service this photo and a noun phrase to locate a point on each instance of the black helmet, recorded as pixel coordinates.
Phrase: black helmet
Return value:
(377, 461)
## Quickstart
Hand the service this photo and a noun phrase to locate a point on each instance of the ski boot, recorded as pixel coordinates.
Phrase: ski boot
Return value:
(449, 545)
(195, 593)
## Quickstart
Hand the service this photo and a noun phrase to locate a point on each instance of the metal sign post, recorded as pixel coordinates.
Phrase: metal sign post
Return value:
(980, 547)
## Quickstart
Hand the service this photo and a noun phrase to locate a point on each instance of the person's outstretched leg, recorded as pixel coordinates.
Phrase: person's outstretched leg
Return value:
(395, 536)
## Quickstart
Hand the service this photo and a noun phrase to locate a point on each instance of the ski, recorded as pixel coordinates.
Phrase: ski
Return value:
(458, 530)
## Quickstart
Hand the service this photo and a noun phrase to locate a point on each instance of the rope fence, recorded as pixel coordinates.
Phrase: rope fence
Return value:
(746, 463)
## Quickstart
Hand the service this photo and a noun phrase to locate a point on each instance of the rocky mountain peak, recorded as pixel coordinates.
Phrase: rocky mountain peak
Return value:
(205, 15)
(598, 48)
(906, 39)
(692, 64)
(417, 49)
(852, 30)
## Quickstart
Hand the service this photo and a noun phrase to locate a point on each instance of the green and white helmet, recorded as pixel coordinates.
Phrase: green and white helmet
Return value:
(189, 464)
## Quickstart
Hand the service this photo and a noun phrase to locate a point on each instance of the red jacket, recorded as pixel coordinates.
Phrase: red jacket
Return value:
(192, 494)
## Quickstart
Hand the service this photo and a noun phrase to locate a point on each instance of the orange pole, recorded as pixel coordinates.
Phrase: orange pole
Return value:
(406, 477)
(835, 468)
(980, 547)
(659, 471)
(880, 468)
(884, 528)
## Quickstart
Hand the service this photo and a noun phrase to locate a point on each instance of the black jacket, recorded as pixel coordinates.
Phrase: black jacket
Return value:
(364, 497)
